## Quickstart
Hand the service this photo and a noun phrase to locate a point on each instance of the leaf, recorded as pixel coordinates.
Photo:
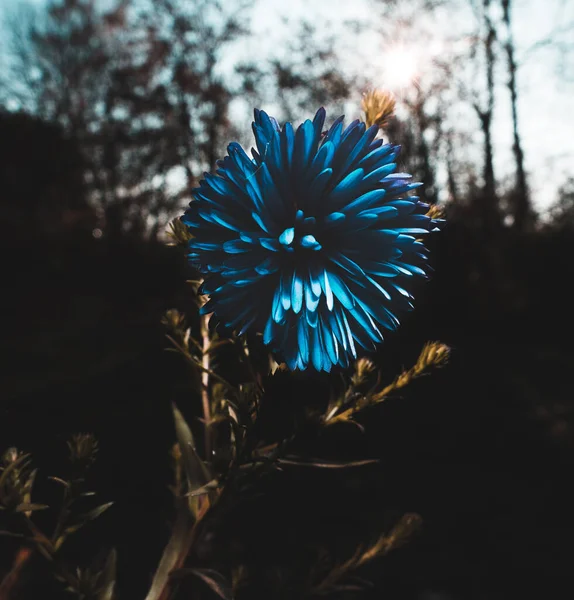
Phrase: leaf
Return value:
(108, 577)
(216, 581)
(196, 282)
(11, 467)
(234, 411)
(66, 484)
(10, 534)
(326, 464)
(348, 587)
(398, 535)
(204, 489)
(172, 553)
(195, 469)
(83, 518)
(29, 483)
(408, 524)
(30, 507)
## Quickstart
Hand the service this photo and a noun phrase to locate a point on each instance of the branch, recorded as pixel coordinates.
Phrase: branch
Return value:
(549, 40)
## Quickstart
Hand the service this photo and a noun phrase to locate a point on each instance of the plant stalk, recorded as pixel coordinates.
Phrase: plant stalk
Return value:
(205, 399)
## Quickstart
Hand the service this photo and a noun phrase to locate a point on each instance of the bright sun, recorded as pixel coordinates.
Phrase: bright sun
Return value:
(400, 67)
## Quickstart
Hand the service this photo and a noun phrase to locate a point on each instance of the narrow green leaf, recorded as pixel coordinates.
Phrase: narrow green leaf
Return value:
(216, 581)
(95, 512)
(204, 489)
(10, 534)
(29, 484)
(82, 519)
(172, 553)
(195, 469)
(349, 587)
(25, 507)
(108, 577)
(60, 481)
(19, 462)
(325, 464)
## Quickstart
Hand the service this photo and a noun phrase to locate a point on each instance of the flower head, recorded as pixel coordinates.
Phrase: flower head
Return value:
(312, 241)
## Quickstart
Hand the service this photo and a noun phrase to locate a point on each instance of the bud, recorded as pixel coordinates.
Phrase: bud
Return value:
(433, 354)
(16, 478)
(11, 455)
(379, 107)
(178, 233)
(173, 319)
(363, 367)
(83, 448)
(434, 212)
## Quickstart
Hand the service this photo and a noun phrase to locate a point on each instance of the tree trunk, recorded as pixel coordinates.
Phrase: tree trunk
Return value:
(522, 212)
(490, 212)
(427, 172)
(451, 180)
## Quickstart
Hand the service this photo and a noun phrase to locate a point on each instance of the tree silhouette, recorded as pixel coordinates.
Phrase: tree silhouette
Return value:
(490, 210)
(138, 86)
(522, 212)
(562, 212)
(43, 193)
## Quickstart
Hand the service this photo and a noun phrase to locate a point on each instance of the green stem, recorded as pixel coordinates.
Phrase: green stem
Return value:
(205, 399)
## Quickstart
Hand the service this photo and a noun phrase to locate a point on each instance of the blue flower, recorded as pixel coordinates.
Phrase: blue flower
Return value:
(313, 241)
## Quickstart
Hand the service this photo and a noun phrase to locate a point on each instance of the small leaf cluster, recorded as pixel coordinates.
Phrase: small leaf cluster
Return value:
(95, 582)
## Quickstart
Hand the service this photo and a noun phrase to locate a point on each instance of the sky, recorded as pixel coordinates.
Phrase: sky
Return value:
(546, 101)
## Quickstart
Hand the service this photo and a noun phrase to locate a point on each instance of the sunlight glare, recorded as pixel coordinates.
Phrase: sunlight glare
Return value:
(400, 68)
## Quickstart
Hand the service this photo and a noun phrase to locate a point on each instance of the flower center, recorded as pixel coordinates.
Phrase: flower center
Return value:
(300, 235)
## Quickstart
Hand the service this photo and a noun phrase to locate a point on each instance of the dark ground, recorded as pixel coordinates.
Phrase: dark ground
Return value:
(483, 449)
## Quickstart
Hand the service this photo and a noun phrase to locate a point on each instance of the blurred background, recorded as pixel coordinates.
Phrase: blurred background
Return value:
(110, 111)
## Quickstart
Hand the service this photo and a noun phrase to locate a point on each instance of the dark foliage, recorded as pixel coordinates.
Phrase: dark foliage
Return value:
(43, 193)
(480, 450)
